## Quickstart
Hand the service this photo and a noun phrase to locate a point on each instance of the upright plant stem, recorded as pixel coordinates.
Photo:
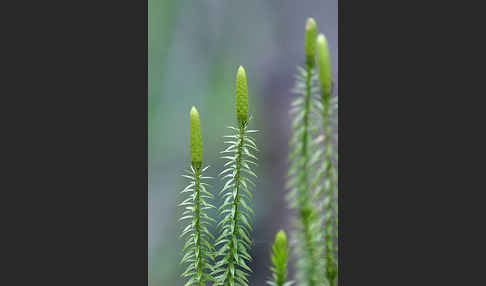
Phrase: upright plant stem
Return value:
(197, 226)
(306, 233)
(328, 185)
(305, 139)
(235, 232)
(197, 249)
(325, 78)
(231, 269)
(305, 207)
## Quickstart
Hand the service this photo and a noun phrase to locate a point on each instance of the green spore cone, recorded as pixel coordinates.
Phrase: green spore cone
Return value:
(196, 139)
(241, 97)
(310, 42)
(324, 65)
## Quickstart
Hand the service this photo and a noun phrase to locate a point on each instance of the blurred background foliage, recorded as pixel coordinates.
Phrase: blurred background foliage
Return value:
(194, 50)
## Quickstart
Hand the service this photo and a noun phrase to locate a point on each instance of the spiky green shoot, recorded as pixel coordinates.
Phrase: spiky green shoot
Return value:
(195, 138)
(198, 252)
(279, 258)
(310, 42)
(241, 97)
(328, 169)
(235, 228)
(307, 231)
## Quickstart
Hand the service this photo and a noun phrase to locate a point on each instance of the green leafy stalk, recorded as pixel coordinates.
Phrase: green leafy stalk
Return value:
(329, 170)
(197, 249)
(231, 268)
(279, 258)
(308, 228)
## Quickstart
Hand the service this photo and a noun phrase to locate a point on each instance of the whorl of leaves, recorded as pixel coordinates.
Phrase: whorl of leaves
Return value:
(198, 251)
(235, 227)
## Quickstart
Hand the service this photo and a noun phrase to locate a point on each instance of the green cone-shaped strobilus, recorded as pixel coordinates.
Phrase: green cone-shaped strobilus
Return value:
(241, 97)
(310, 42)
(324, 65)
(196, 140)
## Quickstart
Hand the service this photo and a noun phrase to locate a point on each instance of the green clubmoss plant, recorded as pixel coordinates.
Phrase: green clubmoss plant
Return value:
(235, 227)
(279, 258)
(198, 252)
(304, 154)
(328, 171)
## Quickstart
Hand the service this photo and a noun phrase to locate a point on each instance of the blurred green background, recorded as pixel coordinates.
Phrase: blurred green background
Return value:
(195, 48)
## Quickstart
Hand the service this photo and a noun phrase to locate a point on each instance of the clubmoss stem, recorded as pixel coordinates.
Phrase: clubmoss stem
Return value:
(305, 208)
(325, 79)
(197, 226)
